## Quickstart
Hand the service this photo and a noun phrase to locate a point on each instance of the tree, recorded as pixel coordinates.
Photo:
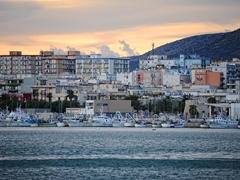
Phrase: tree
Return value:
(135, 103)
(167, 103)
(193, 111)
(70, 95)
(49, 96)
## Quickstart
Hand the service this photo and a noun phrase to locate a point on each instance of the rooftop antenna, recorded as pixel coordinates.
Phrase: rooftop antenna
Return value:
(152, 48)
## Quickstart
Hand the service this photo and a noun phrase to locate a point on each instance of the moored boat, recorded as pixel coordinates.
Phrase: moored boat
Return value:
(48, 123)
(222, 122)
(118, 120)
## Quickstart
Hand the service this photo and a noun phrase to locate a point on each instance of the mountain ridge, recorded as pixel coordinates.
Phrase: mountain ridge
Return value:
(217, 46)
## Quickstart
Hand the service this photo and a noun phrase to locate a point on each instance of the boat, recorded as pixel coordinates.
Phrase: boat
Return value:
(221, 122)
(204, 125)
(167, 123)
(3, 122)
(140, 124)
(101, 120)
(48, 123)
(129, 121)
(179, 122)
(156, 121)
(75, 121)
(34, 125)
(118, 120)
(61, 124)
(157, 124)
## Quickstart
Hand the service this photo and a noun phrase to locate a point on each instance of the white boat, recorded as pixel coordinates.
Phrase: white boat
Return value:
(204, 125)
(60, 124)
(156, 121)
(140, 124)
(157, 124)
(101, 120)
(239, 126)
(129, 121)
(167, 123)
(179, 123)
(34, 125)
(118, 120)
(222, 122)
(19, 123)
(74, 123)
(87, 123)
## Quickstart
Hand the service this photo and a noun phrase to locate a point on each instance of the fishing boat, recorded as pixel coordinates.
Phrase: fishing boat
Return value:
(48, 123)
(167, 123)
(118, 120)
(75, 121)
(101, 120)
(222, 122)
(179, 122)
(129, 121)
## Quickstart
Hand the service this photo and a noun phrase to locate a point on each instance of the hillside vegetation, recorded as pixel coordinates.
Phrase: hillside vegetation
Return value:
(214, 46)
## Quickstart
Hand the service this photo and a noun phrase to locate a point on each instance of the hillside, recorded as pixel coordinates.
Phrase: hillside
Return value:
(215, 46)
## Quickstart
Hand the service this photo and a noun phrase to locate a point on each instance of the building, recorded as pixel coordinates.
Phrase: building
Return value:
(108, 106)
(89, 67)
(205, 77)
(155, 62)
(230, 72)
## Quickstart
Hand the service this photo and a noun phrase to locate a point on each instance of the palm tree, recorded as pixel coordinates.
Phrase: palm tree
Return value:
(49, 96)
(167, 103)
(70, 96)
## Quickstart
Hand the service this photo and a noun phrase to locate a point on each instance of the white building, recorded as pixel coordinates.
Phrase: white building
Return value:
(155, 62)
(175, 79)
(94, 65)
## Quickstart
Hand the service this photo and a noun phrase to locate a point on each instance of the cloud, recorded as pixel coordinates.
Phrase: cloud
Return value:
(107, 52)
(126, 48)
(59, 51)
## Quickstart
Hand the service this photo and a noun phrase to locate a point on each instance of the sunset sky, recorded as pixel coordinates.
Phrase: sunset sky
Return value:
(110, 27)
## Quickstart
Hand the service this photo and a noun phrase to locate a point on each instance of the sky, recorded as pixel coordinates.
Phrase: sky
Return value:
(113, 28)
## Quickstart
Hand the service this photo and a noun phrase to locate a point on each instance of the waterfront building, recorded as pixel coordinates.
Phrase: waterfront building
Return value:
(108, 106)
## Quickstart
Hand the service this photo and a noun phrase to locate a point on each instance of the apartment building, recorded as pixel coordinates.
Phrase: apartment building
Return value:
(16, 63)
(92, 66)
(206, 77)
(230, 71)
(155, 62)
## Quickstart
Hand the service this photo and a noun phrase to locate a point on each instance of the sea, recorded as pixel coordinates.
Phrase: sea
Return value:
(119, 153)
